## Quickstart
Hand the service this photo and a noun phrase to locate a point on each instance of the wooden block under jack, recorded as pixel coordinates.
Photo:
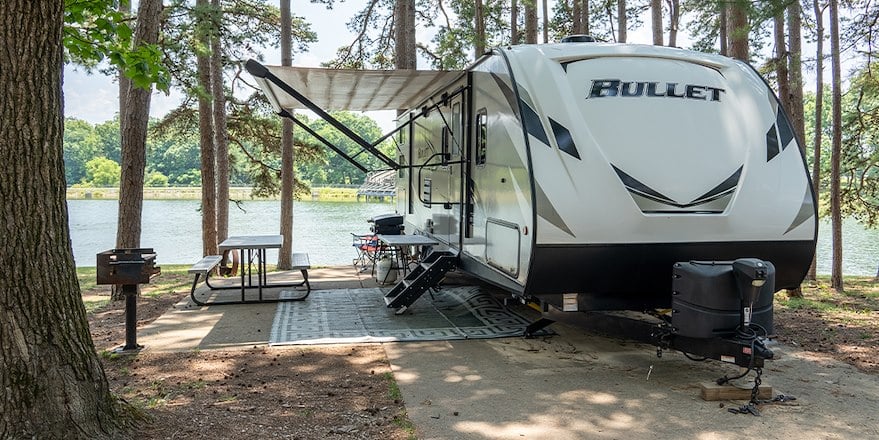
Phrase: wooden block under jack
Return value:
(712, 391)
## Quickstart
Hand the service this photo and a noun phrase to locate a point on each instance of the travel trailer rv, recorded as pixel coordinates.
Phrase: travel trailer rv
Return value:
(587, 176)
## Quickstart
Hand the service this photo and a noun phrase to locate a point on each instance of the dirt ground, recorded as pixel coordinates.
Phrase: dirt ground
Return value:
(327, 392)
(349, 392)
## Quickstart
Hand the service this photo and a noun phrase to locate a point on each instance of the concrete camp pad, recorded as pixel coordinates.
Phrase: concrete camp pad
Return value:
(569, 386)
(579, 386)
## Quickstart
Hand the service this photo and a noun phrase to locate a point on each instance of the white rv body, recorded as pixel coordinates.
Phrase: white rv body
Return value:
(603, 165)
(592, 168)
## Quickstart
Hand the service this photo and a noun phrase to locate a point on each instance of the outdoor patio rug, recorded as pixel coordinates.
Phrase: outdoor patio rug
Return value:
(360, 315)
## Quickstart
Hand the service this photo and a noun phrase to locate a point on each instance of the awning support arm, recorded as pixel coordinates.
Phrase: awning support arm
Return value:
(302, 125)
(258, 70)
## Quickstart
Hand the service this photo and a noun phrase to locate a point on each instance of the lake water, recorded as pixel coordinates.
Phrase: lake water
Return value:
(173, 227)
(323, 229)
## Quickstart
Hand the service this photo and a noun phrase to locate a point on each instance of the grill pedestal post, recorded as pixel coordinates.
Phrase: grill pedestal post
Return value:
(130, 292)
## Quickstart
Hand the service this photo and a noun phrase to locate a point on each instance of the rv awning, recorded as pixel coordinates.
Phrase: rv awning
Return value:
(359, 90)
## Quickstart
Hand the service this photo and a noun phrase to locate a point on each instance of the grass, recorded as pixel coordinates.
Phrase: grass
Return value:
(861, 296)
(402, 418)
(173, 278)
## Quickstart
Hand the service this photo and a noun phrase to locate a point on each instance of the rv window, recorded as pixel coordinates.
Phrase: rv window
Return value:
(445, 140)
(481, 135)
(456, 129)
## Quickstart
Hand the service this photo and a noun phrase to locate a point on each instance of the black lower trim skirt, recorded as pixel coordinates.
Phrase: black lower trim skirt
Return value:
(637, 276)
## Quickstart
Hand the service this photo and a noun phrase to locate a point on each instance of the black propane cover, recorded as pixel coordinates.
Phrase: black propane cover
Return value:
(705, 300)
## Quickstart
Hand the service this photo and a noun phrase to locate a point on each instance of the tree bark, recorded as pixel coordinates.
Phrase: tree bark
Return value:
(205, 127)
(723, 26)
(285, 255)
(836, 149)
(674, 12)
(124, 83)
(479, 30)
(795, 86)
(622, 20)
(530, 22)
(795, 71)
(656, 16)
(739, 30)
(404, 35)
(545, 22)
(52, 381)
(221, 141)
(514, 22)
(125, 8)
(584, 16)
(133, 128)
(819, 109)
(782, 76)
(577, 25)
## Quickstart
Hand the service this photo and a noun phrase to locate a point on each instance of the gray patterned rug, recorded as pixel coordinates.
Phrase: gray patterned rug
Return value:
(360, 315)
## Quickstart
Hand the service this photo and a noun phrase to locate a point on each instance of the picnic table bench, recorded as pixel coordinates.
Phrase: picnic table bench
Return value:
(203, 268)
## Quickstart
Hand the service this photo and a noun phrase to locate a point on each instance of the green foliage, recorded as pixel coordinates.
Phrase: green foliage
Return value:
(155, 178)
(95, 32)
(332, 168)
(101, 171)
(860, 161)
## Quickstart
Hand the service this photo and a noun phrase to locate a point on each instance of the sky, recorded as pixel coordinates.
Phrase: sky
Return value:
(94, 97)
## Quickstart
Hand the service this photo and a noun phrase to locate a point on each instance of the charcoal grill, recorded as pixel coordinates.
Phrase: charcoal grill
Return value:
(128, 267)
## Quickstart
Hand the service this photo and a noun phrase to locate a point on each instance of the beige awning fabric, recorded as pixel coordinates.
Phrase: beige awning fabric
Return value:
(358, 90)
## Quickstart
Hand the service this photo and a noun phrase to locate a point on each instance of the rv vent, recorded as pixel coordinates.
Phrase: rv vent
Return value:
(578, 39)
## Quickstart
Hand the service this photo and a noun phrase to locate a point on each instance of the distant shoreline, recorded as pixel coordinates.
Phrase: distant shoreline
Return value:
(322, 194)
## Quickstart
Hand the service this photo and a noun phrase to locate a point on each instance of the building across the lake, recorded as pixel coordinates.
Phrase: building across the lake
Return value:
(378, 185)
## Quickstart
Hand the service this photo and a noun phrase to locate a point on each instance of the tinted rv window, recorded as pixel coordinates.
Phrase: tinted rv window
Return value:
(456, 129)
(481, 135)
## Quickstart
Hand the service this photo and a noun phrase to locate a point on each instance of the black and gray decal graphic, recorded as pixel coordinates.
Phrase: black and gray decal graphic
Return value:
(547, 211)
(533, 125)
(651, 201)
(807, 210)
(564, 139)
(779, 135)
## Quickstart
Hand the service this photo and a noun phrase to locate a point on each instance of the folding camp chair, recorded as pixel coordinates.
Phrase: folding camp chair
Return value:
(368, 249)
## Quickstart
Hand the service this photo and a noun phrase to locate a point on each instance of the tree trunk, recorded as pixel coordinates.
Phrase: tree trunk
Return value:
(795, 86)
(124, 83)
(52, 381)
(405, 56)
(577, 25)
(584, 17)
(125, 8)
(622, 20)
(479, 30)
(530, 22)
(781, 73)
(514, 22)
(285, 255)
(819, 108)
(723, 26)
(221, 142)
(205, 127)
(738, 24)
(545, 22)
(133, 128)
(674, 12)
(656, 16)
(836, 149)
